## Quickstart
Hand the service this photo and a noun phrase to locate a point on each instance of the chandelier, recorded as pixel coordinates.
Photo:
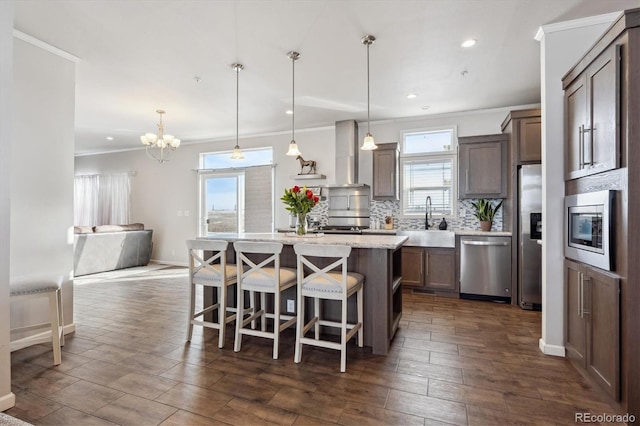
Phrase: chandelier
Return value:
(293, 146)
(160, 146)
(368, 143)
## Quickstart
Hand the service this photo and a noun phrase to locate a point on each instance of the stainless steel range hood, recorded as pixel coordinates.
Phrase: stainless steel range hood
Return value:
(347, 155)
(348, 199)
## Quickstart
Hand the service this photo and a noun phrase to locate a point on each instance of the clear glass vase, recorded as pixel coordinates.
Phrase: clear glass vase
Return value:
(301, 225)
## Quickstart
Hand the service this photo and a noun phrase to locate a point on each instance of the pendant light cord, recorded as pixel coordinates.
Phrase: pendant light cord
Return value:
(293, 97)
(237, 103)
(368, 101)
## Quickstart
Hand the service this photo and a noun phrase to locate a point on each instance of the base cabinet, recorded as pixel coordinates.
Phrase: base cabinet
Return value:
(593, 323)
(429, 268)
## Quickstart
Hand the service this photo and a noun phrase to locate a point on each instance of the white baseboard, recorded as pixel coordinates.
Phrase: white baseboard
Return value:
(7, 401)
(170, 263)
(554, 350)
(35, 339)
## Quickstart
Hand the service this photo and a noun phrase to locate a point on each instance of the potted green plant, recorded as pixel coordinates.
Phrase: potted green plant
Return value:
(485, 212)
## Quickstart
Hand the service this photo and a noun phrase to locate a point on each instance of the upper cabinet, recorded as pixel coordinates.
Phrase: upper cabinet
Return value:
(525, 129)
(592, 116)
(482, 166)
(385, 172)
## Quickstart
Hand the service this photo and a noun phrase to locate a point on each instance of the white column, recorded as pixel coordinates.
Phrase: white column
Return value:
(7, 399)
(562, 45)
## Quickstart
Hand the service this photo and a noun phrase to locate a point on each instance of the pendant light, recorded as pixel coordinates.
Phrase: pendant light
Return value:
(293, 146)
(237, 153)
(368, 143)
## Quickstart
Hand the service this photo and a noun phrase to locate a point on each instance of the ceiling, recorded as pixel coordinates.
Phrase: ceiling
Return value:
(138, 56)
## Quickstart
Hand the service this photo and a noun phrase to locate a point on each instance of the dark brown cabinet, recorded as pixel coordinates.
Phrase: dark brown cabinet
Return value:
(525, 129)
(482, 166)
(429, 268)
(592, 117)
(385, 172)
(592, 323)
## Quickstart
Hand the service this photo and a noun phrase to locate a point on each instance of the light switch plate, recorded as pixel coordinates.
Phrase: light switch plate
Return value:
(291, 305)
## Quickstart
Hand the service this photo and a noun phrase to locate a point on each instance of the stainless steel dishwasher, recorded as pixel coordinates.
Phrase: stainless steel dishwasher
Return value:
(485, 267)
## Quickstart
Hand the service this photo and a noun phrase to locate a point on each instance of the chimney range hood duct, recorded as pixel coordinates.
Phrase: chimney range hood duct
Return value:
(347, 154)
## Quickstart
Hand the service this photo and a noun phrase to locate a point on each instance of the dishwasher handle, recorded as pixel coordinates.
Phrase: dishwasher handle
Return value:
(484, 243)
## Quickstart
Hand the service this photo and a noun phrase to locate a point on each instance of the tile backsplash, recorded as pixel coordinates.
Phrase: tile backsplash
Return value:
(379, 209)
(464, 220)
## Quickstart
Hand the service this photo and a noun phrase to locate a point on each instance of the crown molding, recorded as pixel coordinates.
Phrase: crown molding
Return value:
(45, 46)
(607, 18)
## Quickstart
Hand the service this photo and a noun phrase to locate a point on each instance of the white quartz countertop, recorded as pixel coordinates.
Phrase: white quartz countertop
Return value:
(355, 241)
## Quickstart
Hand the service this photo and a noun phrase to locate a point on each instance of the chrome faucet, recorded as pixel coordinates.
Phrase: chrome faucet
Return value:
(427, 215)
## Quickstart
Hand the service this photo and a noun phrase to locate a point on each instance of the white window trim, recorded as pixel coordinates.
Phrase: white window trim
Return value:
(453, 154)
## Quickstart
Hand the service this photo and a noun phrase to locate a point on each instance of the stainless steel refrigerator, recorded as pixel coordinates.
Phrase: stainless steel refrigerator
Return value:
(529, 233)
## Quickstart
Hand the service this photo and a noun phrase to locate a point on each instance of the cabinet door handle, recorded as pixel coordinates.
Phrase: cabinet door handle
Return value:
(422, 273)
(581, 146)
(591, 145)
(584, 311)
(426, 266)
(580, 295)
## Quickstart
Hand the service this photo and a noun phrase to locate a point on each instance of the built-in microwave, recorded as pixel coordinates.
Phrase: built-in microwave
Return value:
(589, 228)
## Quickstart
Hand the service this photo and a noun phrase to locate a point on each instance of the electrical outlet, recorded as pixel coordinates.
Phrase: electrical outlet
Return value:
(291, 305)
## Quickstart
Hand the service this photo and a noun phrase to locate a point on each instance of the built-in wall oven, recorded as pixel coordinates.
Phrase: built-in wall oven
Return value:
(589, 228)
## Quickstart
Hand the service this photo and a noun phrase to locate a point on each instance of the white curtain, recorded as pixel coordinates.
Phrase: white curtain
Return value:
(85, 204)
(102, 199)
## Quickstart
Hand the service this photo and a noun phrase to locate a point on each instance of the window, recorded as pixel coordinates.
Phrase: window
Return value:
(428, 164)
(236, 195)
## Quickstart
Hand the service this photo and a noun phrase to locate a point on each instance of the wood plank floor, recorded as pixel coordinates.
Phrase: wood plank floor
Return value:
(452, 362)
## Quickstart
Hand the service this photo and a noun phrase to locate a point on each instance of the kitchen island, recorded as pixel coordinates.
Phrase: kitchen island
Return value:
(377, 257)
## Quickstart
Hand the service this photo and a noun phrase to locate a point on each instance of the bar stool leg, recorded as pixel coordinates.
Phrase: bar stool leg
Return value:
(316, 311)
(192, 303)
(55, 326)
(60, 316)
(276, 324)
(343, 337)
(299, 329)
(222, 313)
(239, 318)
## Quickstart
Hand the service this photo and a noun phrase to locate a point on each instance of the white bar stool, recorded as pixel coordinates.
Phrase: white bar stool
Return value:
(211, 272)
(320, 283)
(38, 287)
(259, 277)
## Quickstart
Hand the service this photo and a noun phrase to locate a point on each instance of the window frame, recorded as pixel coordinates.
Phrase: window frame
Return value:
(452, 154)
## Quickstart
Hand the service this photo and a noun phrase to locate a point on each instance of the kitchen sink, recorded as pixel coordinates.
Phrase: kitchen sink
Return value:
(429, 238)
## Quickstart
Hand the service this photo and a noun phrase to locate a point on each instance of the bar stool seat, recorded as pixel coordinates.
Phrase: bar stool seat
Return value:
(21, 288)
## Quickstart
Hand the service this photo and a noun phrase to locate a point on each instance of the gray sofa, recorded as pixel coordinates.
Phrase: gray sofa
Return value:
(110, 247)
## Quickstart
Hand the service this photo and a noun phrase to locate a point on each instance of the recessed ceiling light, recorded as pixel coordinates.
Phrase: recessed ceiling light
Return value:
(109, 138)
(412, 96)
(288, 112)
(426, 107)
(469, 43)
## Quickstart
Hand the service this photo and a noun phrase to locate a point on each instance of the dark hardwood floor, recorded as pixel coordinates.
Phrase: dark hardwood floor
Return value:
(452, 362)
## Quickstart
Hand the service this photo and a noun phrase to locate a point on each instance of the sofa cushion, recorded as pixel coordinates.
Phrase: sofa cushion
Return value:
(118, 228)
(82, 230)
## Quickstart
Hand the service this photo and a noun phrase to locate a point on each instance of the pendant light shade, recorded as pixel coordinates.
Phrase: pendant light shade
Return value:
(368, 143)
(293, 146)
(237, 153)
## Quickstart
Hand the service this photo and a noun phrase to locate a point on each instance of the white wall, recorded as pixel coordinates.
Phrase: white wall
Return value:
(159, 191)
(562, 45)
(7, 398)
(42, 173)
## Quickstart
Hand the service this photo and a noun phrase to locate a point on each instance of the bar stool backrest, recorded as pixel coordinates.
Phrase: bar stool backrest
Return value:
(322, 250)
(199, 265)
(242, 247)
